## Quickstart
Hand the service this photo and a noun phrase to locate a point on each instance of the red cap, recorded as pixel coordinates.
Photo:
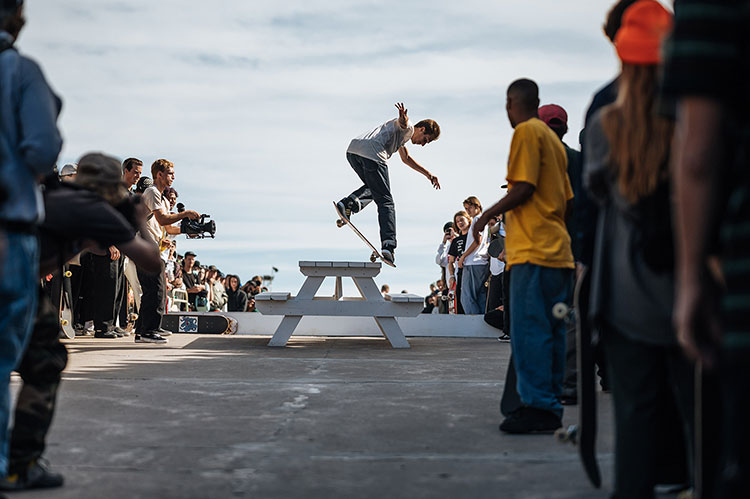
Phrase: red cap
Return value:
(553, 115)
(645, 24)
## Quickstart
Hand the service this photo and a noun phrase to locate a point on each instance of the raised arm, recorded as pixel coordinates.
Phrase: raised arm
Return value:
(403, 119)
(165, 218)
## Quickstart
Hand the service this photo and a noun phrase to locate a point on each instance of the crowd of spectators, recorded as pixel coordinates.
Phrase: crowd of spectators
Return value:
(658, 233)
(105, 297)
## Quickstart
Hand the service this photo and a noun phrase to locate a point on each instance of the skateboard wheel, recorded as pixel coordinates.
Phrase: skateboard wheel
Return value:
(64, 322)
(339, 223)
(373, 257)
(68, 273)
(560, 310)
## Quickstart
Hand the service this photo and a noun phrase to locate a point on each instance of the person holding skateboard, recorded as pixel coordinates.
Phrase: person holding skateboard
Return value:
(368, 153)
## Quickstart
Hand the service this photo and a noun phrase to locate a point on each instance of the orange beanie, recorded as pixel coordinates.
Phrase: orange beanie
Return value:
(645, 24)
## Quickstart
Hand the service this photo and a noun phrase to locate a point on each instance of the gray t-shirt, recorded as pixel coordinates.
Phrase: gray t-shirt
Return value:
(379, 144)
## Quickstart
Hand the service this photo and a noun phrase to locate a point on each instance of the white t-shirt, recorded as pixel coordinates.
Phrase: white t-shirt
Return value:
(154, 200)
(379, 144)
(479, 255)
(497, 265)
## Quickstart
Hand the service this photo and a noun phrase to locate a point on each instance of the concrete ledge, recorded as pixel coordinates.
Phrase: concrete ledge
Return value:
(425, 325)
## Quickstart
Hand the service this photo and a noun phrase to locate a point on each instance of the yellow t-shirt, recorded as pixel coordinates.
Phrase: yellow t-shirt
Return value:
(536, 231)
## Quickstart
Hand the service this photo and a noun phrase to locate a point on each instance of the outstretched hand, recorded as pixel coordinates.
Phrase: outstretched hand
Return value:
(434, 181)
(402, 118)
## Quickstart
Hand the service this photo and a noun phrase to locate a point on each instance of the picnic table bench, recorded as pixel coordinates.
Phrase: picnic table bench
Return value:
(370, 304)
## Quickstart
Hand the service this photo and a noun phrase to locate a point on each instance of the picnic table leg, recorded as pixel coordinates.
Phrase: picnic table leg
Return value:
(391, 330)
(289, 322)
(285, 330)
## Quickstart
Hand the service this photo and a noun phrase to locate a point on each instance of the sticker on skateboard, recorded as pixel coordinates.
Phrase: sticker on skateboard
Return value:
(375, 253)
(199, 323)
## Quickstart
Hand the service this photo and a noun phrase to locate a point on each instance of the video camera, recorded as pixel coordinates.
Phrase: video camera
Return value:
(196, 229)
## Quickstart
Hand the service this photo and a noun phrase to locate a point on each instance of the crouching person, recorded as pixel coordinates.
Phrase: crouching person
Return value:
(91, 214)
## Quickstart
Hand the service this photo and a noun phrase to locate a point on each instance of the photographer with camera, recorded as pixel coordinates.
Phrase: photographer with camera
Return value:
(158, 225)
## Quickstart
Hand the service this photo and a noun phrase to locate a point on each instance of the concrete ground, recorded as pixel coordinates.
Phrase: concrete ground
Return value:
(215, 417)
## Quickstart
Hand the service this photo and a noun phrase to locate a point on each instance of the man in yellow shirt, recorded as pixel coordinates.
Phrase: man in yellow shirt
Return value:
(539, 257)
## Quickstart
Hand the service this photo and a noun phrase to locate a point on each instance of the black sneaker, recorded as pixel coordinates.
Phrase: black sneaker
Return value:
(149, 338)
(164, 332)
(36, 476)
(345, 210)
(388, 255)
(105, 334)
(531, 420)
(504, 337)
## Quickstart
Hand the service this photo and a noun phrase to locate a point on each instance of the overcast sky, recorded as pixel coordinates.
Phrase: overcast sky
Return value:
(256, 102)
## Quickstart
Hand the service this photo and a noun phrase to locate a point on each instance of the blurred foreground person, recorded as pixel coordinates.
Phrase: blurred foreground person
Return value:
(29, 145)
(707, 72)
(627, 151)
(92, 213)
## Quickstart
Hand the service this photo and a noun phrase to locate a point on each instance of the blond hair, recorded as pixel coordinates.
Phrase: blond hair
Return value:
(160, 166)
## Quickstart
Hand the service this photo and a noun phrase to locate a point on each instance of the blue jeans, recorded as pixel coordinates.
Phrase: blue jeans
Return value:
(537, 338)
(377, 187)
(473, 290)
(19, 277)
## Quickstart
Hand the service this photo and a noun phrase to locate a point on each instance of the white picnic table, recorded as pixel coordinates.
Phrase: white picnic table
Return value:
(370, 304)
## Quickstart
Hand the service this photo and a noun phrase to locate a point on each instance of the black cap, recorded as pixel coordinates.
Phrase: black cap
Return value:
(189, 253)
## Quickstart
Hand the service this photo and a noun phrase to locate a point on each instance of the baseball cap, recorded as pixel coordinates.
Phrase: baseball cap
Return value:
(189, 253)
(68, 169)
(645, 24)
(143, 184)
(553, 115)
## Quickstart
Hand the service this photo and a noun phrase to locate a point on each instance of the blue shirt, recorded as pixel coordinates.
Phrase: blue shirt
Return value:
(29, 139)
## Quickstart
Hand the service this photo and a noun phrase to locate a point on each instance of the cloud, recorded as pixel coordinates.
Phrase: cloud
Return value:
(256, 102)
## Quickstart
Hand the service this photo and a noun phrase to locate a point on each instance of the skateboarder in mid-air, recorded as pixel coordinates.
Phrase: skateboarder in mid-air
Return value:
(368, 154)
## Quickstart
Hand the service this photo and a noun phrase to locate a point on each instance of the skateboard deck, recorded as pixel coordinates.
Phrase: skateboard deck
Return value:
(66, 312)
(199, 324)
(375, 253)
(584, 433)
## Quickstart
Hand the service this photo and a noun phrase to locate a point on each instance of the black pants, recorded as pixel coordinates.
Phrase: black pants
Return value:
(121, 303)
(495, 292)
(43, 361)
(152, 301)
(106, 290)
(653, 394)
(377, 187)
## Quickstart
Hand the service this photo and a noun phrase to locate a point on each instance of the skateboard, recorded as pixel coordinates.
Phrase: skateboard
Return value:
(584, 433)
(66, 311)
(375, 253)
(199, 323)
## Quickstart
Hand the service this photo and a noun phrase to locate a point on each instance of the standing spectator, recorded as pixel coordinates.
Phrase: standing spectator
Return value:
(29, 145)
(538, 253)
(217, 292)
(475, 264)
(148, 327)
(706, 71)
(131, 172)
(557, 119)
(385, 289)
(236, 298)
(191, 279)
(442, 251)
(461, 222)
(627, 171)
